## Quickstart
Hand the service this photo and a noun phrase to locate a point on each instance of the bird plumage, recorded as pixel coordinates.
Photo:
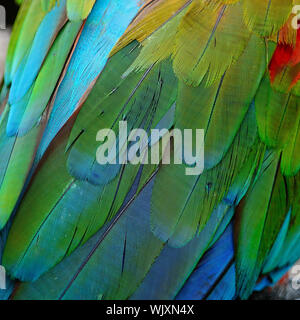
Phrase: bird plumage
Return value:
(75, 229)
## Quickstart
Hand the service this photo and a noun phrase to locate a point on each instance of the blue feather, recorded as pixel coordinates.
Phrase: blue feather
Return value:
(44, 37)
(103, 28)
(214, 272)
(174, 265)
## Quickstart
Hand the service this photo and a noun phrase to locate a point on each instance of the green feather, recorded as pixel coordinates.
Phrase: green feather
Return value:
(261, 215)
(277, 115)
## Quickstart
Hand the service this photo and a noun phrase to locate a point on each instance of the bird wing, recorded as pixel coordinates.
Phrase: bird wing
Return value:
(89, 231)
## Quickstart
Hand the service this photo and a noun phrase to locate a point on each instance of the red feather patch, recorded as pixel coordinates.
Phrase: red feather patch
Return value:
(286, 55)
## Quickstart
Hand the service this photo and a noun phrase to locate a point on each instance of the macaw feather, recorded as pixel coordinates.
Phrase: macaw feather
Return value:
(277, 115)
(260, 217)
(43, 39)
(214, 276)
(79, 9)
(80, 176)
(266, 17)
(27, 23)
(197, 196)
(74, 229)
